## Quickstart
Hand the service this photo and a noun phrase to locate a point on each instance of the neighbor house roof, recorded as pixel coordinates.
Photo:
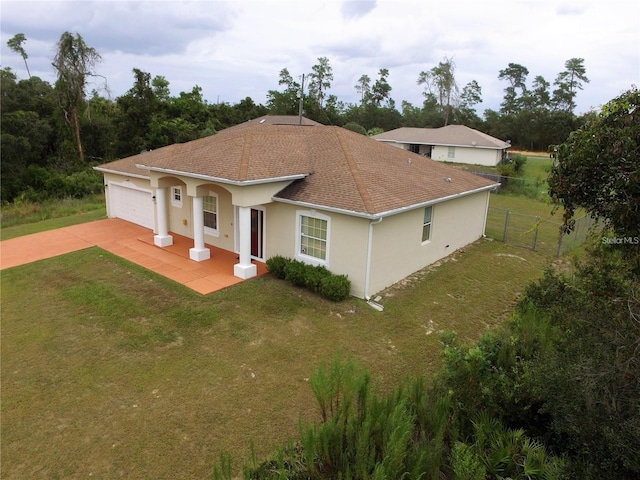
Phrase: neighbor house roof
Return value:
(451, 135)
(334, 168)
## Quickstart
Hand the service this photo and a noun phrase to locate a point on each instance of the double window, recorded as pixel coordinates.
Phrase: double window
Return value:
(426, 224)
(313, 238)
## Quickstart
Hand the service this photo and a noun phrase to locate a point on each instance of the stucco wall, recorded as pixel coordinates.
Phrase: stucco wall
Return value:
(473, 156)
(347, 241)
(398, 249)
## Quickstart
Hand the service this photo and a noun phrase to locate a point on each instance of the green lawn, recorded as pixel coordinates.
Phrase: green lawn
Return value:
(111, 371)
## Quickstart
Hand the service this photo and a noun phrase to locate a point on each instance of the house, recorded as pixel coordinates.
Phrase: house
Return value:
(321, 194)
(453, 143)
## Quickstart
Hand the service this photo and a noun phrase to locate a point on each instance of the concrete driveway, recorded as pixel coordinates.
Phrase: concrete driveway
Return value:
(133, 243)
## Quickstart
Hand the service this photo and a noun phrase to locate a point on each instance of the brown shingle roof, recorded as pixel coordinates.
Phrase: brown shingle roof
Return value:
(453, 135)
(342, 169)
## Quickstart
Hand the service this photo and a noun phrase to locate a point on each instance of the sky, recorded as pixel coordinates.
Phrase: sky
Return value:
(236, 49)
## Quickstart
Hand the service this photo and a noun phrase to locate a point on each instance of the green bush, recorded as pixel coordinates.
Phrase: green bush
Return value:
(317, 279)
(296, 272)
(335, 287)
(314, 277)
(277, 264)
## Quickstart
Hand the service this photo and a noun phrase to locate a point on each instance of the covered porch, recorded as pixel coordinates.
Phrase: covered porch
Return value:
(174, 262)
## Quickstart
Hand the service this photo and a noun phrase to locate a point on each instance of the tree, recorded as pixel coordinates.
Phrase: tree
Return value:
(440, 81)
(471, 95)
(363, 87)
(540, 97)
(569, 82)
(74, 62)
(598, 168)
(320, 80)
(286, 102)
(516, 75)
(15, 44)
(381, 88)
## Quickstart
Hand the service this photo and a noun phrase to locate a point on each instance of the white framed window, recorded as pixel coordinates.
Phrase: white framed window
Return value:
(313, 237)
(426, 224)
(176, 196)
(451, 152)
(210, 212)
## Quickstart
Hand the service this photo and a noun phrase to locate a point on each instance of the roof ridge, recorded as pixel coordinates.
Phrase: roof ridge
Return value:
(354, 170)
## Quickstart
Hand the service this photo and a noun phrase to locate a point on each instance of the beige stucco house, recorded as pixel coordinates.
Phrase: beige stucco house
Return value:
(321, 194)
(453, 143)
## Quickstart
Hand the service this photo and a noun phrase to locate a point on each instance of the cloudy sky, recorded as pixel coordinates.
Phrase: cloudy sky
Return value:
(235, 49)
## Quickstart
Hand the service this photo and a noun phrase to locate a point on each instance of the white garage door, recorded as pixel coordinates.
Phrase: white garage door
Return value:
(131, 204)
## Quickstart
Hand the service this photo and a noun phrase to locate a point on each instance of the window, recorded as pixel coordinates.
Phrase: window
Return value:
(451, 152)
(313, 239)
(414, 148)
(426, 224)
(176, 196)
(210, 211)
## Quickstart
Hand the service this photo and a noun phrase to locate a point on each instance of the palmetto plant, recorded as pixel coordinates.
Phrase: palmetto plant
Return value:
(509, 453)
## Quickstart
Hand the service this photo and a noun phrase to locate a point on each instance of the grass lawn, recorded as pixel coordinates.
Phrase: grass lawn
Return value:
(24, 218)
(111, 371)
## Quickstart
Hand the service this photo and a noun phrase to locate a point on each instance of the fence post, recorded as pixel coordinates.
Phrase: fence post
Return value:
(506, 227)
(560, 243)
(535, 234)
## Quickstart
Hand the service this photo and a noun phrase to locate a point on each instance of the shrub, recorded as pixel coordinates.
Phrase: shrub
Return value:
(277, 264)
(296, 272)
(317, 279)
(314, 277)
(335, 287)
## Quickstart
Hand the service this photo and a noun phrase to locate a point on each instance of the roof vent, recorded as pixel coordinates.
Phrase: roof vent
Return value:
(448, 179)
(473, 143)
(262, 121)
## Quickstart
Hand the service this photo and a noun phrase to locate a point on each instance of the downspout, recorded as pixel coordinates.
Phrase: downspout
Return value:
(368, 265)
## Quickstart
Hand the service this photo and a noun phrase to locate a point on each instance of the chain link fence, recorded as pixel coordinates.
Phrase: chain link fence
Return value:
(536, 233)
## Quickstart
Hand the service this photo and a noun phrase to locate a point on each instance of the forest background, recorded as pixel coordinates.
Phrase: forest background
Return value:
(53, 134)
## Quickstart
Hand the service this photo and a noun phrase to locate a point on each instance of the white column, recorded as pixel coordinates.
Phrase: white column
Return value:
(198, 252)
(162, 239)
(244, 269)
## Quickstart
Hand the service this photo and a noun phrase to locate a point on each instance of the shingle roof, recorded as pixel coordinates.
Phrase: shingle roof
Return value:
(452, 135)
(342, 170)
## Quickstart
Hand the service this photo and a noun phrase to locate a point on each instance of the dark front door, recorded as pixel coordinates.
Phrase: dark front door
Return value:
(257, 229)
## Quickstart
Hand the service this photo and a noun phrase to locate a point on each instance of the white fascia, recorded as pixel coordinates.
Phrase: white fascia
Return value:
(125, 174)
(240, 183)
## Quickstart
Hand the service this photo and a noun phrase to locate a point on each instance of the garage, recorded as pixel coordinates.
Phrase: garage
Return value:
(132, 204)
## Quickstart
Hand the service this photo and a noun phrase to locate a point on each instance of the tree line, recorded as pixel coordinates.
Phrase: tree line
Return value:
(51, 134)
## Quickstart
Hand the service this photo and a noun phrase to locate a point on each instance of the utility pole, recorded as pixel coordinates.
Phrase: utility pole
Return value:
(300, 98)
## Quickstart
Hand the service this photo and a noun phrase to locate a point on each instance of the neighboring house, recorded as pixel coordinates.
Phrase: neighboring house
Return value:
(453, 143)
(320, 194)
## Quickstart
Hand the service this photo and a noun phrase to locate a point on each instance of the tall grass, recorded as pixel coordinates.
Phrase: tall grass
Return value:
(23, 217)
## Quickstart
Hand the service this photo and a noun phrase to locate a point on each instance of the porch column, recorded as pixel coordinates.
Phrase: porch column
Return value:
(162, 239)
(198, 252)
(244, 269)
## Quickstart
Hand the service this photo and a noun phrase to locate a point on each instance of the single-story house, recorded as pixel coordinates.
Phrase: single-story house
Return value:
(320, 194)
(453, 143)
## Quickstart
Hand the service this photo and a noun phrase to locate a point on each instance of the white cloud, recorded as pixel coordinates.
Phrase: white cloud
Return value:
(235, 49)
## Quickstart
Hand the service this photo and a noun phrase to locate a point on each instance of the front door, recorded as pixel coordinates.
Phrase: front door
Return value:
(257, 233)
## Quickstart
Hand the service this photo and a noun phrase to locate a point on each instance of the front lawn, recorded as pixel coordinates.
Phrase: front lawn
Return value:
(111, 371)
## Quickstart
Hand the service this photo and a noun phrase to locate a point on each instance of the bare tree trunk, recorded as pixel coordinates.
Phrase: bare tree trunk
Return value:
(76, 128)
